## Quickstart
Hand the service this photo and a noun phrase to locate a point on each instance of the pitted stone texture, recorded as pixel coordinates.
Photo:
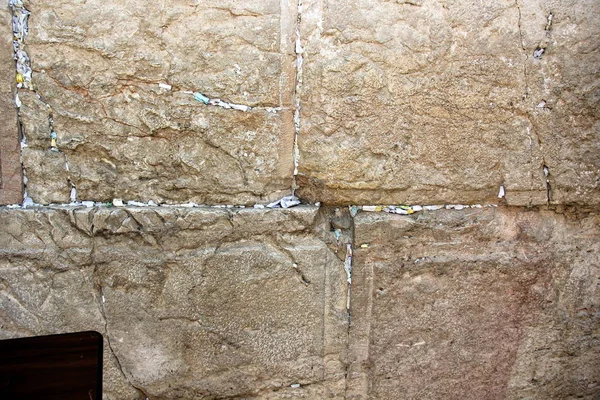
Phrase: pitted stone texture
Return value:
(564, 94)
(474, 304)
(11, 183)
(427, 102)
(194, 303)
(98, 65)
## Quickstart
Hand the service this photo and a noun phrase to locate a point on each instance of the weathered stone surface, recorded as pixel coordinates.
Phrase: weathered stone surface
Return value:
(48, 179)
(476, 304)
(402, 101)
(434, 102)
(193, 303)
(98, 65)
(206, 303)
(11, 181)
(421, 102)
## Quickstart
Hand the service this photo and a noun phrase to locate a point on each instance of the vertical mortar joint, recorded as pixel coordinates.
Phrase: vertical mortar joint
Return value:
(299, 51)
(20, 28)
(23, 78)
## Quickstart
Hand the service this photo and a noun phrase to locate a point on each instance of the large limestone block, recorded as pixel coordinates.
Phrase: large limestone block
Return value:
(431, 102)
(98, 64)
(193, 303)
(475, 304)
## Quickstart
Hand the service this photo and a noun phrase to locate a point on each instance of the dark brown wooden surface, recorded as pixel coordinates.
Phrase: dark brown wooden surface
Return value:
(65, 367)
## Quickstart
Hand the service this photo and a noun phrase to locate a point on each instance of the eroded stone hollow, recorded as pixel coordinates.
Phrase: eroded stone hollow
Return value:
(446, 155)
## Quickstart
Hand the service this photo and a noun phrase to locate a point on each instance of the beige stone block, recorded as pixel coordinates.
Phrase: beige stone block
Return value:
(433, 102)
(192, 303)
(99, 64)
(473, 304)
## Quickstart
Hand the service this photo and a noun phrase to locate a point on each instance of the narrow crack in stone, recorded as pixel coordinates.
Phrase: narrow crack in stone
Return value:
(217, 102)
(299, 50)
(98, 293)
(531, 170)
(544, 166)
(526, 94)
(546, 171)
(532, 133)
(294, 263)
(102, 309)
(529, 129)
(348, 269)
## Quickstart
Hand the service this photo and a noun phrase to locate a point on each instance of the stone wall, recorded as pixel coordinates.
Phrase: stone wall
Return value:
(215, 303)
(200, 114)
